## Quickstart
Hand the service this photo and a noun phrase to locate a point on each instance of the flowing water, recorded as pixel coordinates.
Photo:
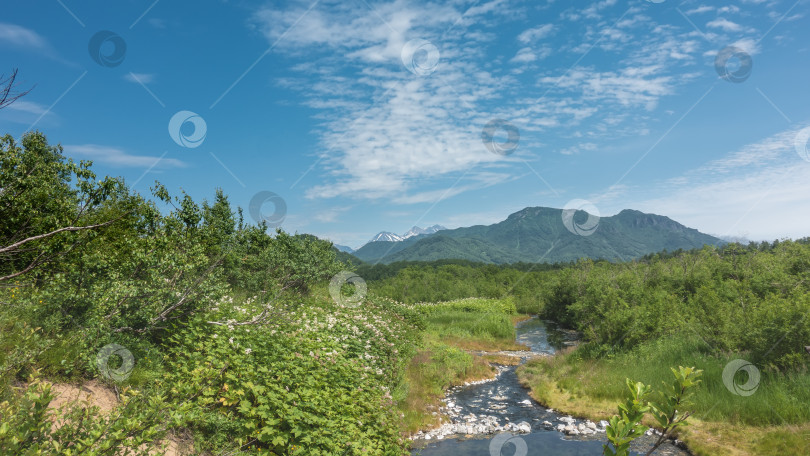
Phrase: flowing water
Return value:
(506, 401)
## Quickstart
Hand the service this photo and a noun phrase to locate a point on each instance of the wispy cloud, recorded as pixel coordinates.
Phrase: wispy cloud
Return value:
(139, 78)
(725, 25)
(700, 10)
(116, 157)
(759, 192)
(24, 111)
(574, 150)
(535, 33)
(636, 86)
(29, 107)
(22, 37)
(331, 214)
(386, 133)
(528, 54)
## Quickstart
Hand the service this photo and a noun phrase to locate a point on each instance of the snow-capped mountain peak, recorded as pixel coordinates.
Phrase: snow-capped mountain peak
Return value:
(415, 231)
(386, 236)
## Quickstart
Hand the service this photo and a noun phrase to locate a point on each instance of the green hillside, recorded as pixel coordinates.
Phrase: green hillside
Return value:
(376, 250)
(537, 234)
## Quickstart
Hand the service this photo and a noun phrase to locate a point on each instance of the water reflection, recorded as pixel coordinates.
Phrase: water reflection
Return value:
(544, 336)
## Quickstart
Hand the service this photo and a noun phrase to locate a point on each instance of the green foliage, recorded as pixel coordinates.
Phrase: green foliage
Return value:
(537, 234)
(704, 292)
(29, 427)
(317, 383)
(434, 282)
(779, 399)
(469, 305)
(219, 315)
(41, 192)
(674, 397)
(626, 426)
(668, 411)
(235, 339)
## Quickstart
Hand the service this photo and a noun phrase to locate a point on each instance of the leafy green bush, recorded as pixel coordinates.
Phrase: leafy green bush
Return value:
(737, 299)
(668, 411)
(29, 427)
(314, 381)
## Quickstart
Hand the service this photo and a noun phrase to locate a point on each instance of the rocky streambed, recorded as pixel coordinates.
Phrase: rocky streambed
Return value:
(497, 416)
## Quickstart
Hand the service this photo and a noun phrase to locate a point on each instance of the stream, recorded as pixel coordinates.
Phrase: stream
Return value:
(498, 418)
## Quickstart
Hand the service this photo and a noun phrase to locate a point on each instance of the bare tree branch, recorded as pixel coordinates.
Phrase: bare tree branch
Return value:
(14, 246)
(7, 94)
(165, 313)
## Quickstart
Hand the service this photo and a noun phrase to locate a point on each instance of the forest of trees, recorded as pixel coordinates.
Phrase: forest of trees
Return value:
(753, 298)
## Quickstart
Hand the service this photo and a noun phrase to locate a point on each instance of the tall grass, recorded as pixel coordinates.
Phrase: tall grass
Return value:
(452, 329)
(489, 326)
(429, 374)
(779, 398)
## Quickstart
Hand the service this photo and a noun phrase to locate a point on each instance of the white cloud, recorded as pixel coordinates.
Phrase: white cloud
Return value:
(748, 45)
(389, 134)
(113, 156)
(157, 23)
(376, 36)
(536, 33)
(26, 112)
(29, 107)
(21, 37)
(574, 150)
(759, 192)
(527, 54)
(140, 78)
(593, 11)
(725, 25)
(700, 10)
(331, 214)
(635, 86)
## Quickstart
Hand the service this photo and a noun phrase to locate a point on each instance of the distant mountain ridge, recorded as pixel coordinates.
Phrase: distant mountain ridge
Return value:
(539, 234)
(344, 248)
(387, 236)
(416, 231)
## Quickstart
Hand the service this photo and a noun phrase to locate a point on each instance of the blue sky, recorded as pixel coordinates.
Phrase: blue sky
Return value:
(368, 115)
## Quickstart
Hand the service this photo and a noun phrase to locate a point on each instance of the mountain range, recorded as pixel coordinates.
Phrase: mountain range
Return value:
(540, 235)
(386, 236)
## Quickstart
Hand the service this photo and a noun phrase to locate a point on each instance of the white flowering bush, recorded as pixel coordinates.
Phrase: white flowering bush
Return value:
(316, 381)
